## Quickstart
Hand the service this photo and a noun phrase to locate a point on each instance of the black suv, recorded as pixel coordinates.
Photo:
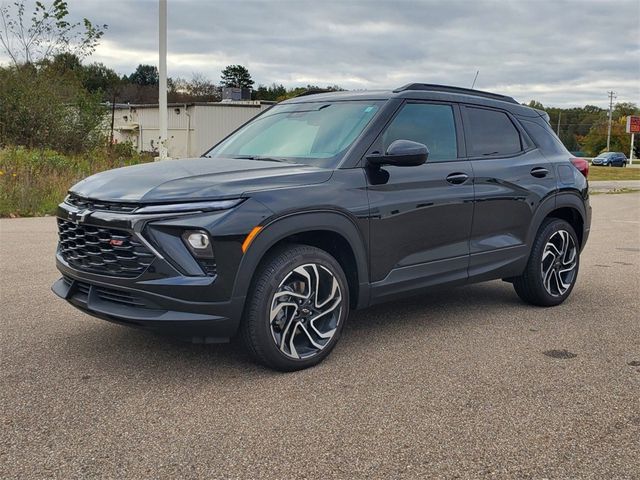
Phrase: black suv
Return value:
(326, 203)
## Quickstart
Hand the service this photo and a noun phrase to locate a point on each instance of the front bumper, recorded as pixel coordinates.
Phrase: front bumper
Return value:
(163, 298)
(199, 322)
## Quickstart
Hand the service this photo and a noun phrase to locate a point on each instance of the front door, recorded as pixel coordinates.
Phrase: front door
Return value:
(420, 216)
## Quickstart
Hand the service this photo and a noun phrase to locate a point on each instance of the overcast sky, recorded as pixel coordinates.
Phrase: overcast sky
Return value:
(559, 52)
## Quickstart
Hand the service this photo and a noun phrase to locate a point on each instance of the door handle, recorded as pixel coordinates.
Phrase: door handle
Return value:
(539, 172)
(457, 178)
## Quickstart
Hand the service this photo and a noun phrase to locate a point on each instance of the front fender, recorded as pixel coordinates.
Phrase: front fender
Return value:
(289, 224)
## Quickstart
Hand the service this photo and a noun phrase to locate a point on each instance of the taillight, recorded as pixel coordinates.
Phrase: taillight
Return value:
(582, 165)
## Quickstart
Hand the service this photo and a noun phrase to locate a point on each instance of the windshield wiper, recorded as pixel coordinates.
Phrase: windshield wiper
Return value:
(258, 157)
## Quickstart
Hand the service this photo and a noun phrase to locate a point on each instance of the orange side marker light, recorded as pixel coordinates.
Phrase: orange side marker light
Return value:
(252, 234)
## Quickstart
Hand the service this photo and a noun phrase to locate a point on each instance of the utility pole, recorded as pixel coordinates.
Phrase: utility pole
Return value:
(559, 117)
(113, 117)
(162, 84)
(612, 95)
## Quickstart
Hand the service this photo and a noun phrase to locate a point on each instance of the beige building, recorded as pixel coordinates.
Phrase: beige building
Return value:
(192, 127)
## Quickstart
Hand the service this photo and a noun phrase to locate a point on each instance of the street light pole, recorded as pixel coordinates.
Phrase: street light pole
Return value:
(162, 71)
(611, 97)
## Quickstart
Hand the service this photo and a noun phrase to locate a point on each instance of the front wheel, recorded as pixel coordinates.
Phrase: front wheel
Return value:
(297, 306)
(553, 264)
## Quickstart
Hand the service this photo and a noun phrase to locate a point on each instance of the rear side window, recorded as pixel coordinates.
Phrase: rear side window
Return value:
(544, 136)
(430, 124)
(490, 132)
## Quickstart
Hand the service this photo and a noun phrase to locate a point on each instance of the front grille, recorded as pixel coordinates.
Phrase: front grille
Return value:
(105, 251)
(87, 203)
(109, 294)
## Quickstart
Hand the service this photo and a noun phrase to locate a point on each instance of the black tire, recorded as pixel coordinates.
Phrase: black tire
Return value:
(257, 330)
(530, 286)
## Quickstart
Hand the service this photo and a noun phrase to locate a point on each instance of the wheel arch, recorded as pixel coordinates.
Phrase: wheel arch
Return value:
(333, 231)
(567, 206)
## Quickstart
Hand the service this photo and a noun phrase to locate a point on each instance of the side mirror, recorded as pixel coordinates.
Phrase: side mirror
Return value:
(401, 153)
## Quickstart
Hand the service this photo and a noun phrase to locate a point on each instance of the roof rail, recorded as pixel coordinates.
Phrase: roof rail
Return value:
(444, 88)
(313, 91)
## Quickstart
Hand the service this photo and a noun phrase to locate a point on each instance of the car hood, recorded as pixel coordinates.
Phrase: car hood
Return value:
(195, 179)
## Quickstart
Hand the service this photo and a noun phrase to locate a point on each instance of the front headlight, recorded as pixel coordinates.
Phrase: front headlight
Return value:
(190, 207)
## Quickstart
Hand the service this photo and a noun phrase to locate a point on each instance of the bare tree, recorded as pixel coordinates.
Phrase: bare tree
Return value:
(199, 88)
(203, 88)
(46, 33)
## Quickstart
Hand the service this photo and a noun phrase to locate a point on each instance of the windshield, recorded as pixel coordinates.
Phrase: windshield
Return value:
(606, 155)
(317, 133)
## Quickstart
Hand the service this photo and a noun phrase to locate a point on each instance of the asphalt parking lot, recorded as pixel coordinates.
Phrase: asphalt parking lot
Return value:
(453, 384)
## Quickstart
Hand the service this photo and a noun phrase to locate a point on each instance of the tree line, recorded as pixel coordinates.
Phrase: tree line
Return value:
(584, 129)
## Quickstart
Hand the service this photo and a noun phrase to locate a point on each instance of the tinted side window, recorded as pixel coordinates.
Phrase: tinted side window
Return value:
(544, 137)
(490, 133)
(430, 124)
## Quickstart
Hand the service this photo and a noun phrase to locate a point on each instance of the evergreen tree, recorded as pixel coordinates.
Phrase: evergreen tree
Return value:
(145, 75)
(236, 76)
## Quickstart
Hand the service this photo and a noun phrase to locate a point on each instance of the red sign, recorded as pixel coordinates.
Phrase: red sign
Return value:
(633, 124)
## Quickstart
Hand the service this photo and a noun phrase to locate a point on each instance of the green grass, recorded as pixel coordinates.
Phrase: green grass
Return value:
(613, 173)
(616, 191)
(34, 181)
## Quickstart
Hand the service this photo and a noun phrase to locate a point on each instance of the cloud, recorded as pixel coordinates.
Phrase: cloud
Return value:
(558, 52)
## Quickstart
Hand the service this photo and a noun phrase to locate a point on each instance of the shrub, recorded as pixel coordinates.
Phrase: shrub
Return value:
(41, 107)
(34, 181)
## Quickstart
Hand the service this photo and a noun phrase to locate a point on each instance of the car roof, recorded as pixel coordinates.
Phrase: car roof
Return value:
(424, 91)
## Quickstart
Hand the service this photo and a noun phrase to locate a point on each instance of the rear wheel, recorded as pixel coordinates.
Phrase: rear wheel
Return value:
(552, 268)
(298, 304)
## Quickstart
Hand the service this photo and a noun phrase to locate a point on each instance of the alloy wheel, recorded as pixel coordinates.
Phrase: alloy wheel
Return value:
(305, 311)
(559, 263)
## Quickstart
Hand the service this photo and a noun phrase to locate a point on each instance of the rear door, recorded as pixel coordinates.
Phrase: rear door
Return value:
(511, 178)
(421, 215)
